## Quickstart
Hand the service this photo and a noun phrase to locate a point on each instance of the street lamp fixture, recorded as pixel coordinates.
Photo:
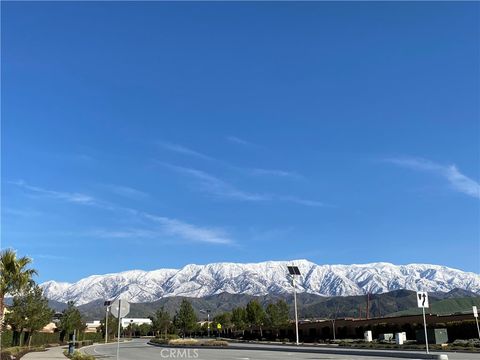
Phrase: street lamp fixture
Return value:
(294, 271)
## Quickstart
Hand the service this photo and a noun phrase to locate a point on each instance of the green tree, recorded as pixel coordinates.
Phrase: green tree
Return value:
(70, 321)
(255, 315)
(225, 320)
(161, 321)
(239, 319)
(185, 319)
(144, 329)
(276, 315)
(14, 276)
(112, 326)
(30, 311)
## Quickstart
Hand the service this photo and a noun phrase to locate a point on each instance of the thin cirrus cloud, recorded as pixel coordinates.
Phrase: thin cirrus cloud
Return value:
(77, 198)
(222, 189)
(126, 191)
(458, 181)
(239, 141)
(275, 172)
(164, 225)
(180, 149)
(215, 186)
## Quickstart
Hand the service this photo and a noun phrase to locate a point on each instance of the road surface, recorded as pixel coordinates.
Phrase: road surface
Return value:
(139, 350)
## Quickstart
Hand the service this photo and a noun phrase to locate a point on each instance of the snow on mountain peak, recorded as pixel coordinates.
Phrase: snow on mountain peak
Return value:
(261, 279)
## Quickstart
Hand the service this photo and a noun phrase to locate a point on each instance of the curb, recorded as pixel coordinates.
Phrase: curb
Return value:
(396, 354)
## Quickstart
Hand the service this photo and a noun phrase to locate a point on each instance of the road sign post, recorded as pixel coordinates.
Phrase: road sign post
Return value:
(119, 308)
(475, 315)
(422, 302)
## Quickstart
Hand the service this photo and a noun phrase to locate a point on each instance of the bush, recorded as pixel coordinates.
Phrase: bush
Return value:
(17, 352)
(214, 343)
(77, 355)
(183, 342)
(168, 337)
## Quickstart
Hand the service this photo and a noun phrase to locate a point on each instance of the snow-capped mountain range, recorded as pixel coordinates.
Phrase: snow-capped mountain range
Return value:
(260, 279)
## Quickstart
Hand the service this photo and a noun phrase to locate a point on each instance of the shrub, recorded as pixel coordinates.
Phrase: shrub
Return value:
(214, 343)
(77, 355)
(183, 342)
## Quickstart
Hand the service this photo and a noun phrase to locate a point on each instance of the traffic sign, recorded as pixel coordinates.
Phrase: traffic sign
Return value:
(475, 312)
(422, 299)
(219, 326)
(120, 308)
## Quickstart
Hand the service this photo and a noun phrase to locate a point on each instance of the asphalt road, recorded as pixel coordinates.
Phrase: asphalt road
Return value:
(139, 350)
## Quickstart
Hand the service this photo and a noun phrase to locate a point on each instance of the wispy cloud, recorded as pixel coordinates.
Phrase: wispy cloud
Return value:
(300, 201)
(239, 141)
(21, 212)
(126, 191)
(191, 232)
(216, 186)
(275, 172)
(185, 151)
(164, 225)
(222, 189)
(244, 170)
(456, 179)
(74, 197)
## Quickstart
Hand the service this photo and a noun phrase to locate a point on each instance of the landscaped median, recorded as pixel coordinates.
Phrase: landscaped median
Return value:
(189, 342)
(77, 355)
(16, 352)
(219, 344)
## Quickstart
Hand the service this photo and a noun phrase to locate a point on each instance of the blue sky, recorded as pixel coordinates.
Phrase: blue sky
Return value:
(149, 135)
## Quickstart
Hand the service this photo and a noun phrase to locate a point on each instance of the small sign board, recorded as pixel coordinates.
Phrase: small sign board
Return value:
(120, 308)
(475, 312)
(422, 299)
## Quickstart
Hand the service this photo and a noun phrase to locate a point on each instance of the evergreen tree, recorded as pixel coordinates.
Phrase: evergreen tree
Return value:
(225, 320)
(161, 321)
(70, 321)
(255, 315)
(239, 319)
(277, 315)
(112, 326)
(30, 312)
(185, 319)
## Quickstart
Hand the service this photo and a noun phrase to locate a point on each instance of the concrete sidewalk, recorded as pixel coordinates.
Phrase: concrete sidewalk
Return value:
(51, 353)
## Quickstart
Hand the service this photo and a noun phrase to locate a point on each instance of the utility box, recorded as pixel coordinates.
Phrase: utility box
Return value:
(367, 336)
(400, 338)
(435, 336)
(385, 337)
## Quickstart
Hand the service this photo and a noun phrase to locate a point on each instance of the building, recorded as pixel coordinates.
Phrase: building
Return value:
(136, 321)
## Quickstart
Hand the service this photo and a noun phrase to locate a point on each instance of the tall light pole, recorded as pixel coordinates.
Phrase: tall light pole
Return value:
(208, 320)
(107, 305)
(294, 271)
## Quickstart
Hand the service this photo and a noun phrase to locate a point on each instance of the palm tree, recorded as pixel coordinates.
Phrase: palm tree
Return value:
(14, 276)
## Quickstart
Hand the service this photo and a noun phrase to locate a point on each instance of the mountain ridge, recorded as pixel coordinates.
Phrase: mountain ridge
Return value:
(269, 277)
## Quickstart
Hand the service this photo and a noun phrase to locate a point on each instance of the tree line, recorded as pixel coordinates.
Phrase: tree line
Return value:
(253, 316)
(29, 311)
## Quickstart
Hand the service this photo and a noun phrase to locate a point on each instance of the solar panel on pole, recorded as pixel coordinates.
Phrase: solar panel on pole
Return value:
(294, 271)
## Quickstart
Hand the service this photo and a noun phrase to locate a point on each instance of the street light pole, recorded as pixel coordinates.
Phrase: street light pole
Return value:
(294, 271)
(296, 312)
(208, 323)
(107, 304)
(106, 324)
